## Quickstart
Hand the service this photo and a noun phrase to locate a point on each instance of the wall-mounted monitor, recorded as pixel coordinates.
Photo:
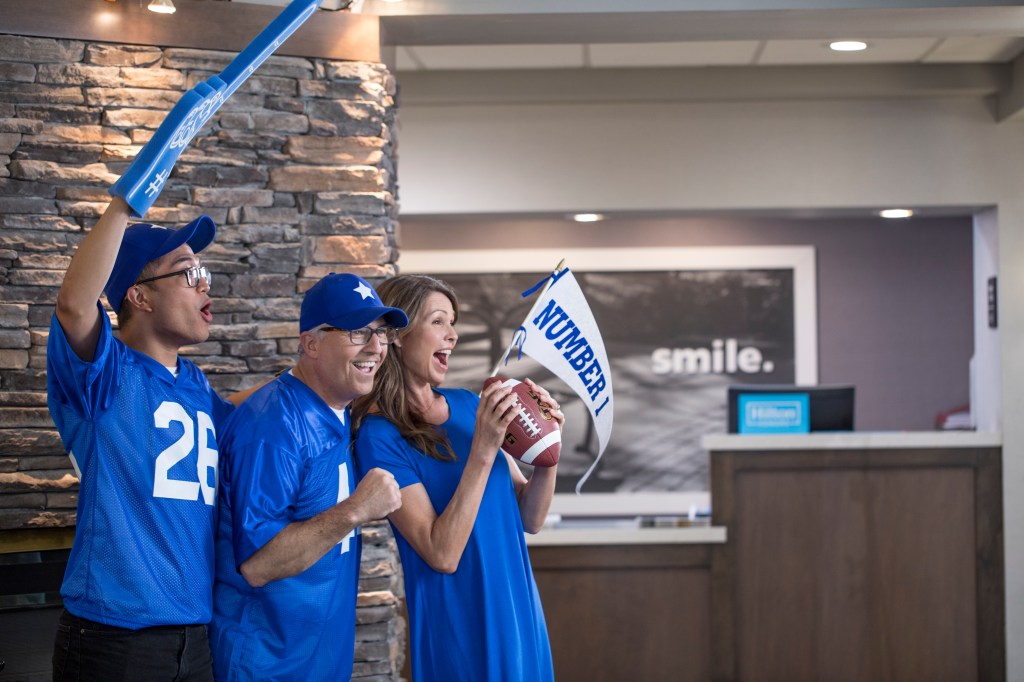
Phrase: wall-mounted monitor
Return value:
(764, 408)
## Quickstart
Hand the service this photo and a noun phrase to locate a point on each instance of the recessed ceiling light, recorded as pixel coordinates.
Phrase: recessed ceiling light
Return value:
(896, 213)
(848, 45)
(588, 217)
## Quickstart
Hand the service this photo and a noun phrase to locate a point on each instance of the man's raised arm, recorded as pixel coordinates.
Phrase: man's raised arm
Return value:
(87, 275)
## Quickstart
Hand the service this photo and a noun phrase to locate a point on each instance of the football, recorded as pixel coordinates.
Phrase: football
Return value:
(533, 437)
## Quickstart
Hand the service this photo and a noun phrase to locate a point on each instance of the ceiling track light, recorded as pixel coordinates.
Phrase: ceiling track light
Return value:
(161, 6)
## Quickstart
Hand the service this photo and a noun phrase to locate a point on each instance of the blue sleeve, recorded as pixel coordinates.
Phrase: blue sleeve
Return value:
(86, 388)
(222, 409)
(379, 444)
(264, 476)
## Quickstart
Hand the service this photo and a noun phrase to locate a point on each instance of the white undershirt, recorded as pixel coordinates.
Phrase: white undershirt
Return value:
(340, 413)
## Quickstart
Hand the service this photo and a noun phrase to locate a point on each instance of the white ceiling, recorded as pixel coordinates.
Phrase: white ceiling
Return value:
(535, 34)
(488, 50)
(928, 50)
(531, 34)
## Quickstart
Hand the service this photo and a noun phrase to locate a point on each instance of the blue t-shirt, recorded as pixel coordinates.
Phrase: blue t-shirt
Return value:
(286, 458)
(484, 621)
(145, 447)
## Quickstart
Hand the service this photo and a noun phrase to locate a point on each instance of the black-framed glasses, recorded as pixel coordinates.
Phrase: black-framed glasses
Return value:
(192, 276)
(361, 337)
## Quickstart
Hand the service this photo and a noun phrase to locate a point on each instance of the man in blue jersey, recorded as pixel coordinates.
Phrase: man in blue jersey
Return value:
(138, 423)
(288, 545)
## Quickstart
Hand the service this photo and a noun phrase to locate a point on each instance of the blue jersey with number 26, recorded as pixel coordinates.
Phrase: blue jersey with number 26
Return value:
(144, 445)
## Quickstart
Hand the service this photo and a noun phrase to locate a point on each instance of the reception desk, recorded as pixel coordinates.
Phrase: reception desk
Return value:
(857, 556)
(627, 604)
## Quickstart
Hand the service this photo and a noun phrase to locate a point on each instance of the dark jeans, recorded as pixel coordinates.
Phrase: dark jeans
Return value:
(86, 651)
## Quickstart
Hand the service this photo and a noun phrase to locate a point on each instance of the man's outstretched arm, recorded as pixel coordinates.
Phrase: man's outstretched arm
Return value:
(87, 275)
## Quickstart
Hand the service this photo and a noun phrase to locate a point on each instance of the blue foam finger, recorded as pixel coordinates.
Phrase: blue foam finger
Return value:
(264, 45)
(145, 178)
(141, 183)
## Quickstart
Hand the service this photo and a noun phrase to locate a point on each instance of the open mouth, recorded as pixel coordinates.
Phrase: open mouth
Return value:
(365, 367)
(442, 357)
(207, 312)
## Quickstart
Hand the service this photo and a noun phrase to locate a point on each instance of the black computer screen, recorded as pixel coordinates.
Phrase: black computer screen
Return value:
(830, 408)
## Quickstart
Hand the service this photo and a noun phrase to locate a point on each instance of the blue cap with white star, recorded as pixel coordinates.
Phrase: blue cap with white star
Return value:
(347, 302)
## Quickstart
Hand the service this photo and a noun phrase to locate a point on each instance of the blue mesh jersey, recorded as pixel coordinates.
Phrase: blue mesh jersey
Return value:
(144, 445)
(484, 621)
(286, 458)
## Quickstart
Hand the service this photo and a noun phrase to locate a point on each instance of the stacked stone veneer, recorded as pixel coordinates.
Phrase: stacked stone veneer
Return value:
(296, 169)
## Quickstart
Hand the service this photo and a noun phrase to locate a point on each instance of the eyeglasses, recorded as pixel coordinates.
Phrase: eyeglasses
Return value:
(192, 276)
(361, 337)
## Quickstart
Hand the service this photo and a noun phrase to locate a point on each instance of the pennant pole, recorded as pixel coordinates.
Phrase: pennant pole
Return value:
(548, 281)
(586, 475)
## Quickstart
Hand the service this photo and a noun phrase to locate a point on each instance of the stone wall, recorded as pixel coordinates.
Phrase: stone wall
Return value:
(296, 170)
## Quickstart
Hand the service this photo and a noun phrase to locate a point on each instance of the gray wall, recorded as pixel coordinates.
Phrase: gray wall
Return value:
(895, 314)
(741, 157)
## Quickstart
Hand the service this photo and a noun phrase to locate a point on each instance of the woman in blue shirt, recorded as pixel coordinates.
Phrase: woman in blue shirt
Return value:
(473, 606)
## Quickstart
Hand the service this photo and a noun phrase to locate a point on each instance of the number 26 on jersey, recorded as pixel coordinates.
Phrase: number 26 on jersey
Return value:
(200, 430)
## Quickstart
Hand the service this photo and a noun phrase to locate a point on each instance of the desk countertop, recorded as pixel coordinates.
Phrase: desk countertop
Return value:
(627, 536)
(854, 440)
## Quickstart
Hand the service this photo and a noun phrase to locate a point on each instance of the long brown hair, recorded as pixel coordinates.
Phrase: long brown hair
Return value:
(388, 398)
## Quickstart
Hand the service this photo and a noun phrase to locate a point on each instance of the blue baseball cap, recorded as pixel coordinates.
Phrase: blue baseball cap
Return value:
(143, 243)
(347, 302)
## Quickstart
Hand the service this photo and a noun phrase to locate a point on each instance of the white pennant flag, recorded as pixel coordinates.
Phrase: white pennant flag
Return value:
(561, 334)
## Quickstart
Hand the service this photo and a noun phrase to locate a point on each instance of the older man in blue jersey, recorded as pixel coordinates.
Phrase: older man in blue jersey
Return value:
(288, 545)
(139, 425)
